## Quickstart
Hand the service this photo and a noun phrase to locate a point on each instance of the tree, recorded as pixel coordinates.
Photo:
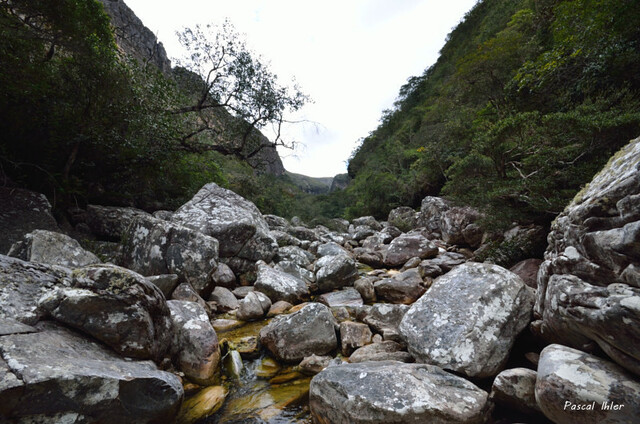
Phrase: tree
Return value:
(234, 93)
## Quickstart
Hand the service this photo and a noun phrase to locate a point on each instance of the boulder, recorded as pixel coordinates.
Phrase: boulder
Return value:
(116, 306)
(573, 386)
(313, 364)
(334, 272)
(296, 271)
(364, 286)
(373, 258)
(468, 320)
(431, 211)
(369, 221)
(21, 212)
(353, 335)
(296, 255)
(223, 276)
(331, 249)
(382, 351)
(404, 218)
(303, 233)
(276, 222)
(111, 222)
(234, 221)
(515, 389)
(345, 297)
(48, 247)
(23, 283)
(194, 346)
(362, 232)
(457, 226)
(527, 269)
(311, 330)
(253, 306)
(278, 285)
(405, 287)
(153, 246)
(377, 392)
(445, 261)
(167, 283)
(186, 292)
(594, 259)
(408, 246)
(55, 375)
(385, 317)
(225, 299)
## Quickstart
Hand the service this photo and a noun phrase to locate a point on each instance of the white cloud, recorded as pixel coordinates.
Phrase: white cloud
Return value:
(351, 57)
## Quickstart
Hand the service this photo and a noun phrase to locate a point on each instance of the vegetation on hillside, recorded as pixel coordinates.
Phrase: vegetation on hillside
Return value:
(528, 99)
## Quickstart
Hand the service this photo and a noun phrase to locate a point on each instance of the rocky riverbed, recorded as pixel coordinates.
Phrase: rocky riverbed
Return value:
(215, 313)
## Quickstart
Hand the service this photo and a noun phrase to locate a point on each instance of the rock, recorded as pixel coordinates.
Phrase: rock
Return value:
(383, 316)
(314, 364)
(153, 246)
(55, 373)
(408, 246)
(255, 305)
(194, 347)
(381, 351)
(165, 282)
(369, 221)
(186, 292)
(278, 308)
(303, 233)
(364, 286)
(353, 335)
(116, 306)
(331, 249)
(223, 276)
(285, 239)
(111, 222)
(48, 247)
(369, 257)
(362, 232)
(468, 320)
(21, 212)
(592, 263)
(403, 288)
(242, 291)
(276, 222)
(445, 262)
(455, 223)
(527, 270)
(11, 326)
(296, 255)
(335, 272)
(573, 386)
(404, 217)
(225, 299)
(23, 283)
(345, 297)
(517, 244)
(308, 331)
(377, 392)
(279, 285)
(234, 221)
(203, 404)
(296, 271)
(515, 388)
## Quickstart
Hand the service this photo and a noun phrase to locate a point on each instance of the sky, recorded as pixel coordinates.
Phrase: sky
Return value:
(350, 56)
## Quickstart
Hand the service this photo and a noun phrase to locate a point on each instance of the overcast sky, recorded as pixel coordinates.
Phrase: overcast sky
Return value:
(350, 56)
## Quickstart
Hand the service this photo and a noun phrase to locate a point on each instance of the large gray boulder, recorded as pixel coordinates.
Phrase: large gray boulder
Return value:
(384, 351)
(384, 317)
(592, 265)
(309, 331)
(334, 272)
(153, 246)
(23, 283)
(407, 246)
(194, 346)
(573, 386)
(278, 285)
(468, 320)
(234, 221)
(21, 212)
(394, 392)
(405, 287)
(515, 389)
(55, 375)
(111, 222)
(116, 306)
(48, 247)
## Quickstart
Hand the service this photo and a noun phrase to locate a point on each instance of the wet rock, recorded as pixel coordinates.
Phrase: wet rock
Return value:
(378, 392)
(335, 272)
(203, 404)
(308, 331)
(408, 246)
(515, 388)
(527, 270)
(468, 320)
(55, 373)
(153, 247)
(353, 335)
(21, 212)
(279, 285)
(253, 306)
(111, 222)
(234, 221)
(344, 297)
(405, 288)
(364, 286)
(23, 283)
(225, 299)
(48, 247)
(195, 344)
(573, 386)
(116, 306)
(165, 282)
(387, 350)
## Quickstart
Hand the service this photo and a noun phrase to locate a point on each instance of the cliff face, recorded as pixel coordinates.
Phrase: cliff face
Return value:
(133, 37)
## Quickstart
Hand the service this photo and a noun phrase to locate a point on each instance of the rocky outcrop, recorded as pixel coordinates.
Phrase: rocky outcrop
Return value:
(468, 320)
(378, 392)
(589, 285)
(234, 221)
(21, 212)
(55, 375)
(573, 386)
(48, 247)
(116, 306)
